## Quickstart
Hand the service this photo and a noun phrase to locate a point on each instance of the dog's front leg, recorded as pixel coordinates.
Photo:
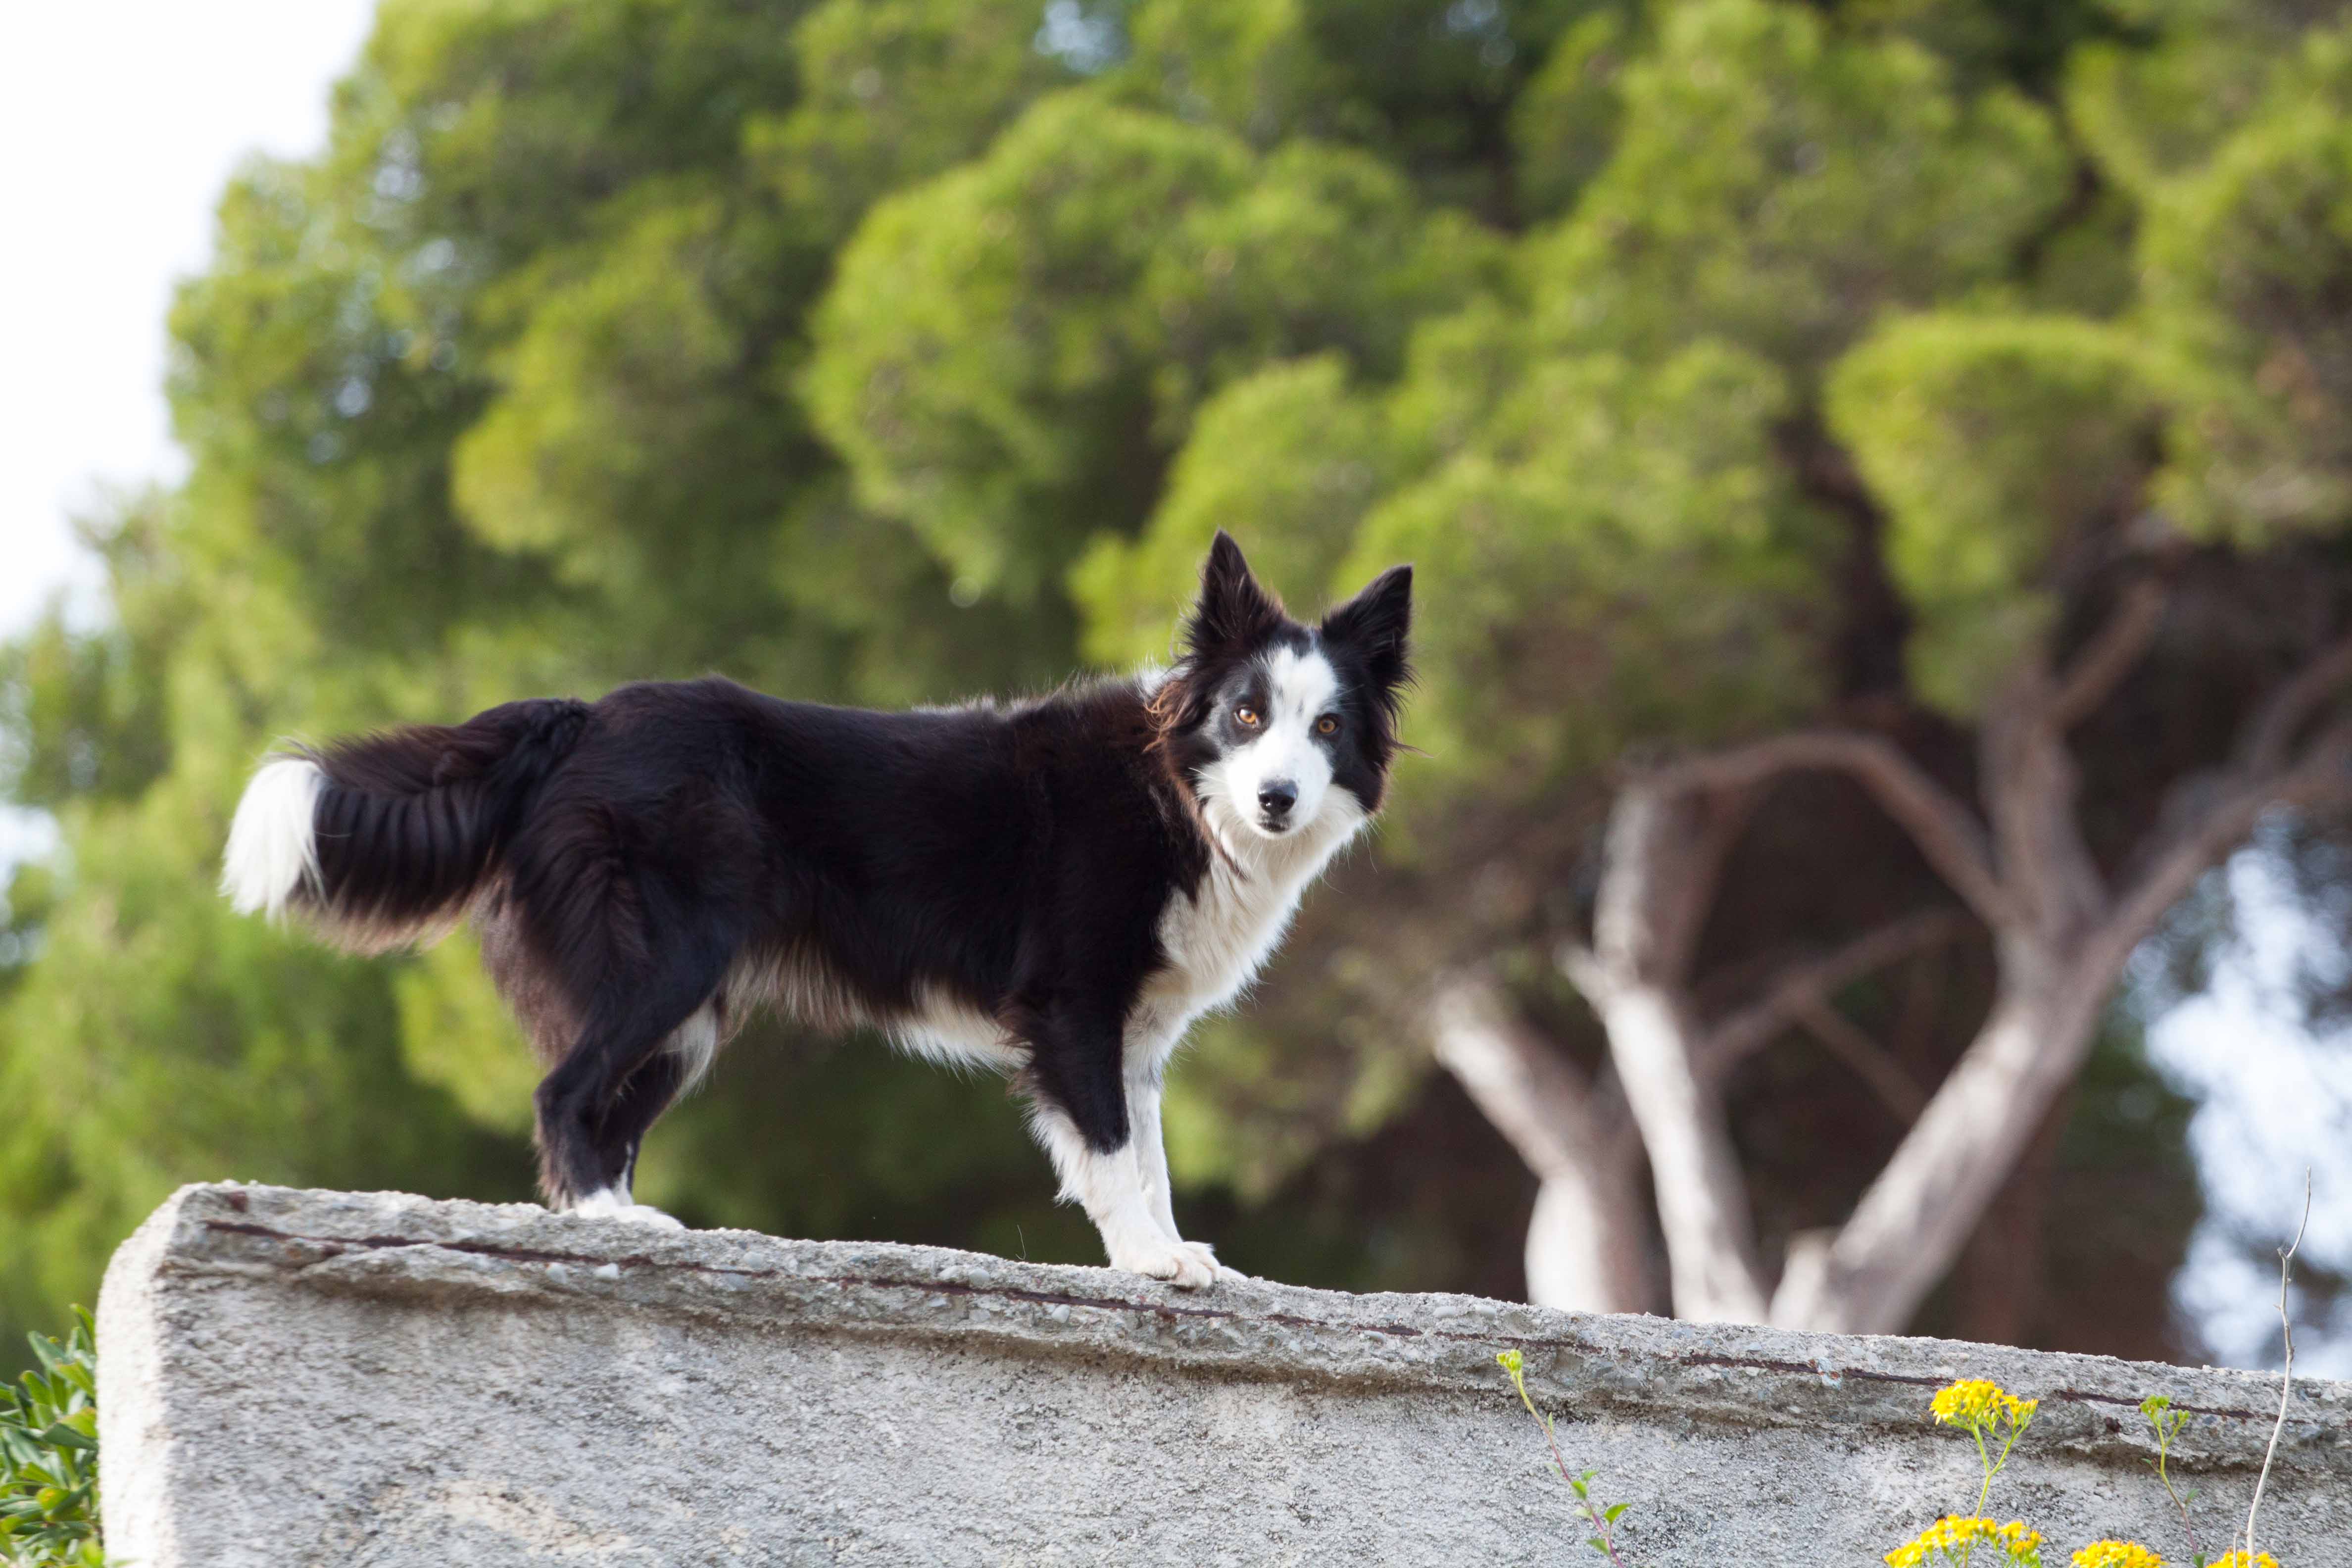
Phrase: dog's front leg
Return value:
(1151, 1154)
(1083, 1109)
(1151, 1165)
(1108, 1184)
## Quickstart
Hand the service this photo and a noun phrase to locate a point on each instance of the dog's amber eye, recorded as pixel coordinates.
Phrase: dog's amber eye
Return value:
(1247, 715)
(1327, 725)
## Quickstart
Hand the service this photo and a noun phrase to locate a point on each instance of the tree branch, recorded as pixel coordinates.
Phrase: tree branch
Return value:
(2321, 777)
(1945, 831)
(1662, 857)
(1749, 1030)
(2028, 783)
(1547, 1110)
(1895, 1089)
(2110, 655)
(1582, 967)
(2272, 734)
(1915, 1215)
(2265, 775)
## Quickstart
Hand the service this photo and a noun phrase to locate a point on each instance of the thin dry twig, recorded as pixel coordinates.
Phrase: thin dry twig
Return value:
(2287, 1379)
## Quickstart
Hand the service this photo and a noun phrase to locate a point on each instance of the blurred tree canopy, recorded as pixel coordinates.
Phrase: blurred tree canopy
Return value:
(1723, 364)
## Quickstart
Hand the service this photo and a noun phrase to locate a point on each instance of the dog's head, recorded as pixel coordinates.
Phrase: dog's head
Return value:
(1283, 729)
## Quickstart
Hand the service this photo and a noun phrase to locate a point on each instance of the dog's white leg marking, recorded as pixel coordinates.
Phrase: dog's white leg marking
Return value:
(612, 1203)
(1151, 1166)
(1110, 1188)
(1151, 1154)
(272, 849)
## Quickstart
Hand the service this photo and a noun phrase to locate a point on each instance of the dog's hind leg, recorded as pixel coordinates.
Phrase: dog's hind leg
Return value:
(632, 1055)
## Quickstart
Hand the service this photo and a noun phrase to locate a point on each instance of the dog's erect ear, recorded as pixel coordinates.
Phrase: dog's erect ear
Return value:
(1376, 623)
(1233, 608)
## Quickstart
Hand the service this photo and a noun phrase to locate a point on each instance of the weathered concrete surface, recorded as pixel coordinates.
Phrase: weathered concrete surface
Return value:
(293, 1378)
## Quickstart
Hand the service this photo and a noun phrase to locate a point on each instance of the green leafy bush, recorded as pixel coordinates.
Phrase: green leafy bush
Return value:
(48, 1458)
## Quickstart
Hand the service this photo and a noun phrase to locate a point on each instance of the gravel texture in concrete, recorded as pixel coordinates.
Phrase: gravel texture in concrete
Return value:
(373, 1379)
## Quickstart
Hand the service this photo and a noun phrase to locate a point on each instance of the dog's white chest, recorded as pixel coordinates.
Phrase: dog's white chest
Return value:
(1218, 938)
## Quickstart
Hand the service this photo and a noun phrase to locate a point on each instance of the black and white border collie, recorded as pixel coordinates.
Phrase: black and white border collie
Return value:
(1054, 889)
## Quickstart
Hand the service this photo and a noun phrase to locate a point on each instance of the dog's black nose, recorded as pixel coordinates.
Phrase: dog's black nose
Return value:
(1275, 799)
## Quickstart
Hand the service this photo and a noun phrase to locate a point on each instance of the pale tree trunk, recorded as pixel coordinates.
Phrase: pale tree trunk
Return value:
(1588, 1247)
(1917, 1214)
(1997, 1284)
(1665, 851)
(1702, 1199)
(2061, 942)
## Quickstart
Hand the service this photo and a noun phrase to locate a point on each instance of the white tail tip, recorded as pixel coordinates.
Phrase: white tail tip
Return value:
(272, 850)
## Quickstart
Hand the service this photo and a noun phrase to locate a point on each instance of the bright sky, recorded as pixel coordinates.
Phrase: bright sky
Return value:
(2275, 1102)
(121, 120)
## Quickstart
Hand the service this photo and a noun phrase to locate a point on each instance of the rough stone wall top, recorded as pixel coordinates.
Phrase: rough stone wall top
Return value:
(293, 1377)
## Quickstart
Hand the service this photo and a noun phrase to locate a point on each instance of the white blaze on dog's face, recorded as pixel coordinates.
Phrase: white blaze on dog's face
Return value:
(1280, 716)
(1286, 729)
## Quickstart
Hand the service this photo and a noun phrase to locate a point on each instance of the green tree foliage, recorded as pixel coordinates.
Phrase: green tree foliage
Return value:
(1723, 364)
(1295, 447)
(893, 93)
(1582, 540)
(1778, 184)
(1011, 355)
(2246, 267)
(1998, 442)
(1429, 88)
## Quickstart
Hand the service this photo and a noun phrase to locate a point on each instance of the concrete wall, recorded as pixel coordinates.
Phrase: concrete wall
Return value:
(294, 1378)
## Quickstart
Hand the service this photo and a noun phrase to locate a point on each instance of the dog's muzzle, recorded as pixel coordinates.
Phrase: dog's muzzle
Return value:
(1275, 800)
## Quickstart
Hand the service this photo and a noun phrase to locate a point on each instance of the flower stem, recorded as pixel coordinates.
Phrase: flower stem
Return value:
(2163, 1450)
(1600, 1525)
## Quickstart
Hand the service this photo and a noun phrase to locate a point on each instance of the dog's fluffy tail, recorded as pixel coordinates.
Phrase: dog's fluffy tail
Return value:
(384, 839)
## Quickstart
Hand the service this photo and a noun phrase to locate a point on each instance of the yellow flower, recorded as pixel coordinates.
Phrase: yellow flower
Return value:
(1973, 1403)
(1954, 1537)
(2240, 1560)
(2116, 1554)
(1967, 1402)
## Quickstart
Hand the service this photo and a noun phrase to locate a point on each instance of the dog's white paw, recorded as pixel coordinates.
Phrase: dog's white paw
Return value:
(611, 1205)
(1187, 1265)
(1204, 1258)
